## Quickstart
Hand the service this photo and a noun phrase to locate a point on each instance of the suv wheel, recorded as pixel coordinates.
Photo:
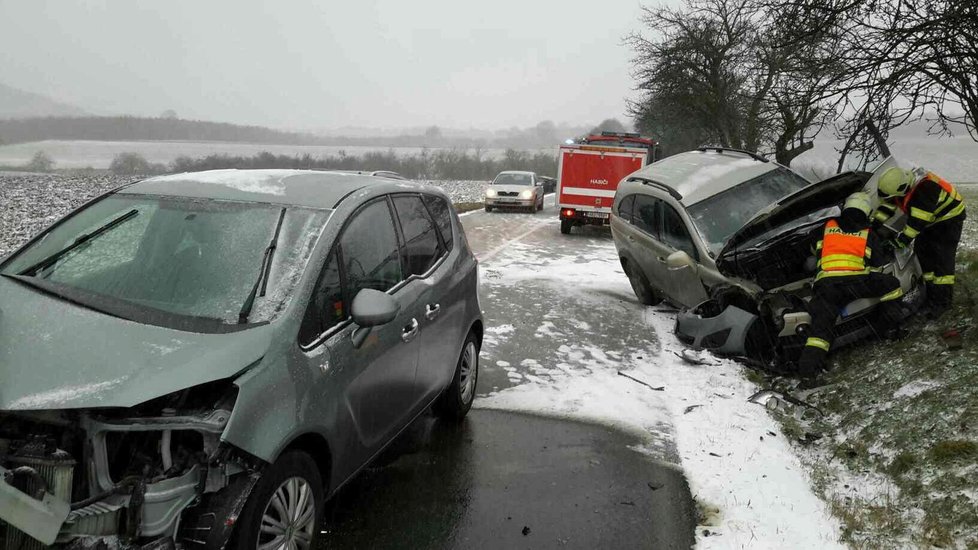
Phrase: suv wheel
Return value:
(285, 508)
(640, 285)
(488, 208)
(456, 400)
(565, 226)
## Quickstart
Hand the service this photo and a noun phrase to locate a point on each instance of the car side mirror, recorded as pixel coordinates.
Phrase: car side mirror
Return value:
(371, 308)
(679, 260)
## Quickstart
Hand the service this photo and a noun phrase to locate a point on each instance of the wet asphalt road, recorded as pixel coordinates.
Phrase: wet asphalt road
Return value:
(510, 480)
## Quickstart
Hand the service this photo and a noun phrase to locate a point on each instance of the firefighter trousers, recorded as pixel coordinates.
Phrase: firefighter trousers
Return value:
(935, 248)
(830, 295)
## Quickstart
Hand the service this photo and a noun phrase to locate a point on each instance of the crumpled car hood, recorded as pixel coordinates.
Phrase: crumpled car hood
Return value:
(56, 355)
(797, 205)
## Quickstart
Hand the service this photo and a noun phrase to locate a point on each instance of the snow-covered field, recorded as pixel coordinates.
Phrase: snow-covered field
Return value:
(752, 489)
(31, 202)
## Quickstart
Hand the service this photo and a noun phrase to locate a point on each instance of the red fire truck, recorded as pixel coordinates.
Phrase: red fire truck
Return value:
(588, 174)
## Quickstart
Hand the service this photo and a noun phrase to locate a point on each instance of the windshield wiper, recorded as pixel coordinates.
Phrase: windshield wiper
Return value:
(262, 282)
(84, 238)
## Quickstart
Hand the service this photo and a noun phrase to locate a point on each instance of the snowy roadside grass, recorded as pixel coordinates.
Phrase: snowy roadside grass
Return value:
(29, 202)
(897, 460)
(750, 488)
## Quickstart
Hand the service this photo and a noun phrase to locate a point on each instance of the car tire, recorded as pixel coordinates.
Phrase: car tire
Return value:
(565, 226)
(291, 481)
(640, 285)
(488, 208)
(454, 403)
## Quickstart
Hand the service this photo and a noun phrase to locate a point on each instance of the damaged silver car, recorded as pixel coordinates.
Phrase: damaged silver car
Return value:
(201, 360)
(727, 235)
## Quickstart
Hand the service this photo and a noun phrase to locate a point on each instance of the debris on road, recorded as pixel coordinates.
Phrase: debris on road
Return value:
(526, 530)
(696, 357)
(691, 408)
(646, 384)
(777, 401)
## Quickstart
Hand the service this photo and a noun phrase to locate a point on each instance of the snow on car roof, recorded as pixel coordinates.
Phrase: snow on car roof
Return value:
(288, 187)
(698, 175)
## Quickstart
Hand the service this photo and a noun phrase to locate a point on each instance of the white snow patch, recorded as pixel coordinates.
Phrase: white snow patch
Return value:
(52, 399)
(265, 182)
(915, 388)
(502, 363)
(724, 443)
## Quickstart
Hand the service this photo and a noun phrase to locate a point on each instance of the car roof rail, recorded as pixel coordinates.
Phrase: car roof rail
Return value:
(675, 194)
(722, 149)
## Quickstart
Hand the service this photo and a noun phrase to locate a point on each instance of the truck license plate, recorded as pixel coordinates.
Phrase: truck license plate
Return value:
(601, 215)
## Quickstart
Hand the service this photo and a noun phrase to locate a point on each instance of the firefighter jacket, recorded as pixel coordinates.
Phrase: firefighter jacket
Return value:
(931, 200)
(845, 254)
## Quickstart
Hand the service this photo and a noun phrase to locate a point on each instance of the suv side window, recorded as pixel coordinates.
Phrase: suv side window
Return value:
(443, 218)
(327, 308)
(625, 208)
(674, 232)
(646, 215)
(421, 245)
(371, 255)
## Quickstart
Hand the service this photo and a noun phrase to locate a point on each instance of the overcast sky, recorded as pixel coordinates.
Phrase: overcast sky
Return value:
(327, 64)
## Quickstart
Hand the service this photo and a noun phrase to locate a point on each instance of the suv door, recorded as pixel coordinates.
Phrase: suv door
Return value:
(642, 236)
(683, 285)
(378, 377)
(440, 306)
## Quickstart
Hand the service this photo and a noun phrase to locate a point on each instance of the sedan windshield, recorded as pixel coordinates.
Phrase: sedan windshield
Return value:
(513, 179)
(720, 216)
(175, 262)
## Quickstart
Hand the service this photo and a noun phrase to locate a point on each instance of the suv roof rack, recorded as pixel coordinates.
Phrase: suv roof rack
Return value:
(675, 194)
(722, 149)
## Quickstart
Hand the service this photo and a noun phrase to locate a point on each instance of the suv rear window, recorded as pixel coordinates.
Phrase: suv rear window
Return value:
(625, 208)
(646, 216)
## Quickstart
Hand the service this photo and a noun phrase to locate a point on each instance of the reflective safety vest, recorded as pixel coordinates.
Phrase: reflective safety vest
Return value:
(949, 203)
(843, 254)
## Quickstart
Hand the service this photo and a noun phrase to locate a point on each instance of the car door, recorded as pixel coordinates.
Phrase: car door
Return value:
(643, 240)
(440, 307)
(378, 377)
(683, 285)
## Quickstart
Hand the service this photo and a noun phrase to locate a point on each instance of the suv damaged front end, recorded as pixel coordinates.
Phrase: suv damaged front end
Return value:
(156, 475)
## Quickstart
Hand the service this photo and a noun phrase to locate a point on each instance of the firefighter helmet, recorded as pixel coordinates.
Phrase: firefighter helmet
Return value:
(895, 182)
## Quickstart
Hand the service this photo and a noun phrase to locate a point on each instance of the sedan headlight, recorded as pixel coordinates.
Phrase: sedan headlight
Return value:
(491, 193)
(528, 194)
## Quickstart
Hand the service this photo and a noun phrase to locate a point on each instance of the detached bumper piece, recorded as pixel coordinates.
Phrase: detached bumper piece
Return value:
(725, 333)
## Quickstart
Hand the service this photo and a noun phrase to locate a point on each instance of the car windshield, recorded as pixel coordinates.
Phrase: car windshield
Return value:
(718, 217)
(513, 179)
(175, 262)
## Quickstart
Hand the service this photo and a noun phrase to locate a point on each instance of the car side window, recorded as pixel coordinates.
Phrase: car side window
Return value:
(645, 214)
(327, 306)
(442, 213)
(625, 208)
(421, 245)
(674, 232)
(371, 255)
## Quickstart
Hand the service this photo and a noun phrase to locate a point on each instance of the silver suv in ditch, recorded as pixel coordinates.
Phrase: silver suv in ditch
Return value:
(671, 219)
(200, 360)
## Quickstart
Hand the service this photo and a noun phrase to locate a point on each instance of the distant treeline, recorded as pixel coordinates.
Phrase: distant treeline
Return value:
(127, 128)
(439, 164)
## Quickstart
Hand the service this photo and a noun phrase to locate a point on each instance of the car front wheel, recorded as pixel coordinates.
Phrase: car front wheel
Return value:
(640, 285)
(285, 508)
(455, 402)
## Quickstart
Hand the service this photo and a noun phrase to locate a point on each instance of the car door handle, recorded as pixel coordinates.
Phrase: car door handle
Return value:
(431, 311)
(411, 330)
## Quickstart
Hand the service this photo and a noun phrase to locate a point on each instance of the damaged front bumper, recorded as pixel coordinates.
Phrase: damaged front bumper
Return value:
(725, 333)
(134, 509)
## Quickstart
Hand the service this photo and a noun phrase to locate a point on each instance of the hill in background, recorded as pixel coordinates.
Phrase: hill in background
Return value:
(16, 103)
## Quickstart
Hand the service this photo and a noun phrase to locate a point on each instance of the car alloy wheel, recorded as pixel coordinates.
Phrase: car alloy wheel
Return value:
(467, 378)
(289, 519)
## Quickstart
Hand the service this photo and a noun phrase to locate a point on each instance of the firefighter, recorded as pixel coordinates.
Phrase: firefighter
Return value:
(935, 215)
(845, 273)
